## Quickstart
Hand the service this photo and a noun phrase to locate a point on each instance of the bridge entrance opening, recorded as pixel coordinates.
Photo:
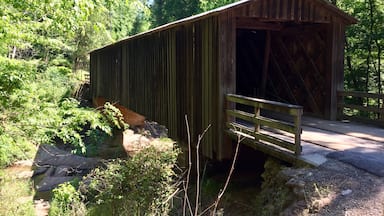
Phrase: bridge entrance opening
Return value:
(250, 62)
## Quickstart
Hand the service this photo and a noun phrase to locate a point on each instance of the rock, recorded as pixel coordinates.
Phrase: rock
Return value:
(297, 187)
(24, 175)
(155, 130)
(293, 182)
(25, 163)
(41, 207)
(346, 192)
(132, 143)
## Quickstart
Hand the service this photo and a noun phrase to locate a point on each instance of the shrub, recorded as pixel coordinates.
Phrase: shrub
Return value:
(13, 74)
(140, 185)
(39, 110)
(77, 123)
(14, 148)
(67, 201)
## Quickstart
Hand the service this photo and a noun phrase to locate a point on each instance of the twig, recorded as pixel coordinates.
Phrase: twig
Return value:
(186, 199)
(189, 170)
(201, 136)
(171, 196)
(229, 175)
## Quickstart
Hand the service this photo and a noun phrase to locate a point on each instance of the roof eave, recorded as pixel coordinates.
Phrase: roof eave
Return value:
(178, 22)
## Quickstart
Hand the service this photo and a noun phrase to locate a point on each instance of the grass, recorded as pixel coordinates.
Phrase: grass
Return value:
(16, 194)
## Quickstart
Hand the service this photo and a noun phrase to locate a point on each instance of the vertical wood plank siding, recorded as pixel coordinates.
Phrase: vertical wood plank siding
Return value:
(286, 10)
(187, 67)
(165, 76)
(227, 76)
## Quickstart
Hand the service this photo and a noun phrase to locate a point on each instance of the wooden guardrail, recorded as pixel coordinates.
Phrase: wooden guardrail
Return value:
(87, 78)
(361, 106)
(252, 124)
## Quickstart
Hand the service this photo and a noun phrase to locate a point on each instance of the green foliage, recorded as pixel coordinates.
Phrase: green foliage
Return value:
(206, 5)
(137, 186)
(14, 148)
(67, 201)
(128, 17)
(41, 111)
(140, 185)
(13, 74)
(365, 45)
(165, 11)
(15, 193)
(74, 120)
(114, 116)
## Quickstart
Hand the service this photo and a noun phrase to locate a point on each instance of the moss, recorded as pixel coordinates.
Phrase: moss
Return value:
(275, 196)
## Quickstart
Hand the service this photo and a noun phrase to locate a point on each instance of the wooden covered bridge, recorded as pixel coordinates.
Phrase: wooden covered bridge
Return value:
(253, 67)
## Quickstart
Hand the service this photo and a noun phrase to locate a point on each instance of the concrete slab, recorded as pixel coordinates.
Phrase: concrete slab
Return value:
(314, 159)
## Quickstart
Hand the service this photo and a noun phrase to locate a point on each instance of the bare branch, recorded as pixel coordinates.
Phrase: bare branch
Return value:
(229, 175)
(186, 200)
(197, 204)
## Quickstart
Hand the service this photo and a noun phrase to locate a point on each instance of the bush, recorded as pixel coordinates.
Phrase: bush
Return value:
(137, 186)
(39, 111)
(13, 74)
(66, 201)
(14, 148)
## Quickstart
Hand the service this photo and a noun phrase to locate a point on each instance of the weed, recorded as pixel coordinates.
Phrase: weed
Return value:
(67, 201)
(15, 195)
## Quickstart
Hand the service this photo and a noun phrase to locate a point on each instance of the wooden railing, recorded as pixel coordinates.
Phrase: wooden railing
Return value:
(87, 78)
(258, 127)
(361, 106)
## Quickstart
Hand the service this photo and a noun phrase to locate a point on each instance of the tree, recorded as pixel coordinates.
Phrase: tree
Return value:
(206, 5)
(127, 17)
(365, 41)
(165, 11)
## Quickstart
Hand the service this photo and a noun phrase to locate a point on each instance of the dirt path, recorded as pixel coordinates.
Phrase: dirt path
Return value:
(336, 188)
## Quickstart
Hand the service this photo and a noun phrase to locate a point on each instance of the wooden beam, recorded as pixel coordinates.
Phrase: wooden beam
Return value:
(266, 63)
(252, 23)
(291, 65)
(283, 78)
(319, 78)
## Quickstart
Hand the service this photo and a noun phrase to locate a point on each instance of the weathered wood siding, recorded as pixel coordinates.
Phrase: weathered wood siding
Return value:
(298, 67)
(187, 67)
(165, 76)
(227, 76)
(312, 11)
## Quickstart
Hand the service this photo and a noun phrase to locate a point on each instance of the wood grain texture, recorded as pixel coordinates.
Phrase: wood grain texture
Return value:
(187, 67)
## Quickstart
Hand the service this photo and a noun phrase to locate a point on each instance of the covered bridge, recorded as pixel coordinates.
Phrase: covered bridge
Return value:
(290, 51)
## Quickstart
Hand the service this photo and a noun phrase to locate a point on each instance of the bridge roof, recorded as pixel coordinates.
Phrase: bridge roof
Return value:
(335, 11)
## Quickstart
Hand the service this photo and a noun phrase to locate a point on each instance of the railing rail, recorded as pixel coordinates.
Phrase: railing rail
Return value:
(367, 107)
(87, 78)
(258, 121)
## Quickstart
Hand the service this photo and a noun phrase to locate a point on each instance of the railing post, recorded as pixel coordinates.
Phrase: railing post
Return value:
(297, 121)
(257, 125)
(340, 105)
